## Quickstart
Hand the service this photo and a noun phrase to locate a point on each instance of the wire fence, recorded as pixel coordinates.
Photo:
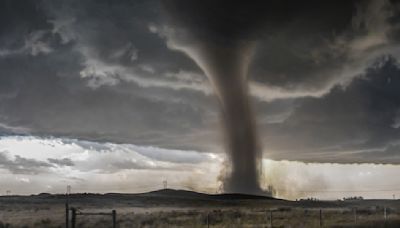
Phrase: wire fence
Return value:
(72, 212)
(377, 216)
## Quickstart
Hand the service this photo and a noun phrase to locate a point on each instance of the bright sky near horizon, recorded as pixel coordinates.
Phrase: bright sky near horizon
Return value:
(31, 165)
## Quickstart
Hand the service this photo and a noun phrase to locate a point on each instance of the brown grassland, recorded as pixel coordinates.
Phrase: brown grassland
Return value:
(171, 208)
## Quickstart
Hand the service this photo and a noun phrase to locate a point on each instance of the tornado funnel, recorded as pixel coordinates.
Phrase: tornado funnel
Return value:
(219, 35)
(223, 52)
(226, 67)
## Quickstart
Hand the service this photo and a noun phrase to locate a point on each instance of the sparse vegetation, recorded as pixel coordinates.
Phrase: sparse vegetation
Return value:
(162, 211)
(296, 217)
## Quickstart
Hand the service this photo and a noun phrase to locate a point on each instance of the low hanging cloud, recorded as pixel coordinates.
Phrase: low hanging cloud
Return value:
(87, 156)
(88, 166)
(21, 165)
(61, 162)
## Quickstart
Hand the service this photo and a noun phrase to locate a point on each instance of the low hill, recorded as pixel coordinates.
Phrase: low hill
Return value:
(158, 197)
(174, 193)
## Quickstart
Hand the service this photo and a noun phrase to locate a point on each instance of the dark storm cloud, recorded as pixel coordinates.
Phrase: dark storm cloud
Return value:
(226, 20)
(353, 123)
(307, 57)
(294, 49)
(117, 34)
(21, 165)
(104, 70)
(66, 90)
(287, 51)
(18, 19)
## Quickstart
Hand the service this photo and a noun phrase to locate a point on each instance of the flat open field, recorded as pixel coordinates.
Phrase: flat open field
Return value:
(171, 208)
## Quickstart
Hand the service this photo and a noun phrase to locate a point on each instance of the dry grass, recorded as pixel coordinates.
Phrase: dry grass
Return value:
(47, 211)
(230, 217)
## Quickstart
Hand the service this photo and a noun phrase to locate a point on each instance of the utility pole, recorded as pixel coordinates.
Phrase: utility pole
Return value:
(165, 184)
(67, 206)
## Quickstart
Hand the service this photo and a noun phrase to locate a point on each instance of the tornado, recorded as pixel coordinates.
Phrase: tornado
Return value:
(226, 67)
(224, 56)
(220, 36)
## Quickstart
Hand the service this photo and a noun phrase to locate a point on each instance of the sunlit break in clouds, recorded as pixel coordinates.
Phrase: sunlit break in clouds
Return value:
(34, 165)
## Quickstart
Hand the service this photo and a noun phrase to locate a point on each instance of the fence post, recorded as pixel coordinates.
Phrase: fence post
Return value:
(66, 215)
(208, 219)
(355, 215)
(270, 218)
(114, 218)
(320, 217)
(73, 218)
(384, 214)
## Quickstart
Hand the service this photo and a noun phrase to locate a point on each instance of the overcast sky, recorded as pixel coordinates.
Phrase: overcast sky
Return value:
(92, 89)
